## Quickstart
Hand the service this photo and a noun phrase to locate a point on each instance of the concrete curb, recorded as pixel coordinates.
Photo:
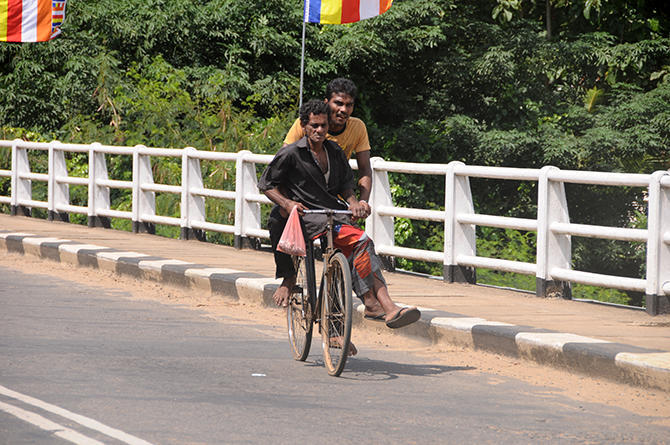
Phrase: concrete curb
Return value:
(624, 363)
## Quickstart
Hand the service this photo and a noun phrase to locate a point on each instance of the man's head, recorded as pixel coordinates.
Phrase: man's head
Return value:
(314, 120)
(341, 86)
(340, 97)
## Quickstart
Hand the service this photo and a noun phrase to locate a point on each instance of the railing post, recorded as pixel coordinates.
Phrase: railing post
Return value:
(553, 250)
(59, 193)
(459, 239)
(247, 213)
(98, 196)
(144, 202)
(21, 188)
(192, 206)
(50, 182)
(658, 244)
(136, 190)
(381, 227)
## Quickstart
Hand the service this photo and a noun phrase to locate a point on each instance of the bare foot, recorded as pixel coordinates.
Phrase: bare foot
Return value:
(375, 316)
(373, 309)
(282, 293)
(336, 342)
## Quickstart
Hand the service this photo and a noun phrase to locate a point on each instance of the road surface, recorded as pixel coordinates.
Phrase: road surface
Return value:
(87, 361)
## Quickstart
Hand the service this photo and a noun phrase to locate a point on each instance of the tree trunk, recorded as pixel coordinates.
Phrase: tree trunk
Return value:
(548, 19)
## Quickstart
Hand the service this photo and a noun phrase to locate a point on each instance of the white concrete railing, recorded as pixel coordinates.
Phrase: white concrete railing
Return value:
(552, 269)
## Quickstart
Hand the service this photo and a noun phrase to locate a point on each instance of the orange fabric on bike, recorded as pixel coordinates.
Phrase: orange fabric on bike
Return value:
(363, 265)
(346, 237)
(360, 252)
(351, 239)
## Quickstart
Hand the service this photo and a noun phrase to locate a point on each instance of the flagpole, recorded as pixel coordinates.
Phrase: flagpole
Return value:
(302, 55)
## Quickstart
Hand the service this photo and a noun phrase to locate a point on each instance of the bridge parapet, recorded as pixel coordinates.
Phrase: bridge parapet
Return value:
(552, 268)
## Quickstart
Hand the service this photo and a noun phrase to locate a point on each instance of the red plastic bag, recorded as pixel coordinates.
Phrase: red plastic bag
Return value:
(292, 242)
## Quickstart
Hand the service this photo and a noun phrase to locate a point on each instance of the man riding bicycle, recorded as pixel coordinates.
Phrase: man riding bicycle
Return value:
(351, 135)
(310, 174)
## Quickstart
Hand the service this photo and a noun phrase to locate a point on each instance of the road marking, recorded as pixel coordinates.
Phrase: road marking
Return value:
(38, 241)
(114, 256)
(75, 248)
(157, 265)
(207, 272)
(655, 360)
(464, 323)
(82, 420)
(47, 425)
(6, 235)
(553, 340)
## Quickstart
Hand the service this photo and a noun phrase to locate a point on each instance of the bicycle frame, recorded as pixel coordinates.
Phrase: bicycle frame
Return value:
(328, 252)
(330, 306)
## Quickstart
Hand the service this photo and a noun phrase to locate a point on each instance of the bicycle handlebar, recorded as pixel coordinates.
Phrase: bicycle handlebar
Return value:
(327, 212)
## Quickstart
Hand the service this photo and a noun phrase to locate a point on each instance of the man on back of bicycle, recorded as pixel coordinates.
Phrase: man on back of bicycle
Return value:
(311, 174)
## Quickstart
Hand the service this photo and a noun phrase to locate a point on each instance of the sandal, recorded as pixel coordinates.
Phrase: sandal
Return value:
(403, 317)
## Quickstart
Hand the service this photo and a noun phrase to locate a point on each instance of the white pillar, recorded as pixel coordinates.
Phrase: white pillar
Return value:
(59, 192)
(192, 206)
(21, 188)
(380, 227)
(459, 239)
(658, 244)
(553, 250)
(247, 213)
(98, 196)
(144, 202)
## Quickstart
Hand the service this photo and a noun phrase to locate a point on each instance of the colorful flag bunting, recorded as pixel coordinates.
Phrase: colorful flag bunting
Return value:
(30, 20)
(343, 11)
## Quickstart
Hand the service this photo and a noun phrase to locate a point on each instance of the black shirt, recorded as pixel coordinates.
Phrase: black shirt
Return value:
(296, 174)
(294, 171)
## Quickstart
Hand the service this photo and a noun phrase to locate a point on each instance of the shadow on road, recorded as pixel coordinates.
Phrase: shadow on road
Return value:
(369, 369)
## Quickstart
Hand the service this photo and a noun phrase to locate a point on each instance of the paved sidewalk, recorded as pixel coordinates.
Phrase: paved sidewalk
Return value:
(621, 344)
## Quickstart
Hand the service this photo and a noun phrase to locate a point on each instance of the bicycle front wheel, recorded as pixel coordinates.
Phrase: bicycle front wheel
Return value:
(299, 317)
(336, 314)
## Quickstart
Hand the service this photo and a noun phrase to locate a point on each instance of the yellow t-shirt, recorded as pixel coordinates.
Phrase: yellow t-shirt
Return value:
(354, 138)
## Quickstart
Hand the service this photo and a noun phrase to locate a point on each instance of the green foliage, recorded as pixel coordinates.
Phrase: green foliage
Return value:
(601, 294)
(506, 279)
(5, 183)
(593, 97)
(506, 244)
(624, 19)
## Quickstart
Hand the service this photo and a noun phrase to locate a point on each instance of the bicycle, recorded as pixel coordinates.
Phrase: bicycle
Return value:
(331, 308)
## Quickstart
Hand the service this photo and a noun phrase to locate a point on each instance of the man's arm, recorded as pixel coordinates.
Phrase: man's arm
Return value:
(286, 205)
(359, 209)
(364, 174)
(364, 179)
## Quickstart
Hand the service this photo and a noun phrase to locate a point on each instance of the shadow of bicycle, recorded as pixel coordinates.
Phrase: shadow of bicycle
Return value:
(370, 369)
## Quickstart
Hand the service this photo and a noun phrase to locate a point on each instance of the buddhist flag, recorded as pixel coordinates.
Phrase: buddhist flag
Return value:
(343, 11)
(30, 20)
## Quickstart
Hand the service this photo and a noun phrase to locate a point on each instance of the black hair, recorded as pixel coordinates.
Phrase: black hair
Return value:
(341, 85)
(313, 106)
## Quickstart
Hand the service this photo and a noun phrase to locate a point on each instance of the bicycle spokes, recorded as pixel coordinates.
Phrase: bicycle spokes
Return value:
(299, 314)
(336, 312)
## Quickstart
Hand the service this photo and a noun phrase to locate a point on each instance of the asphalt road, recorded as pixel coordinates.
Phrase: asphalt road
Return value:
(142, 372)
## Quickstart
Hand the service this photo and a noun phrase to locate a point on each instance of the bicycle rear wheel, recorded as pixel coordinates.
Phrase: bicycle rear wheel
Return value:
(299, 317)
(336, 314)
